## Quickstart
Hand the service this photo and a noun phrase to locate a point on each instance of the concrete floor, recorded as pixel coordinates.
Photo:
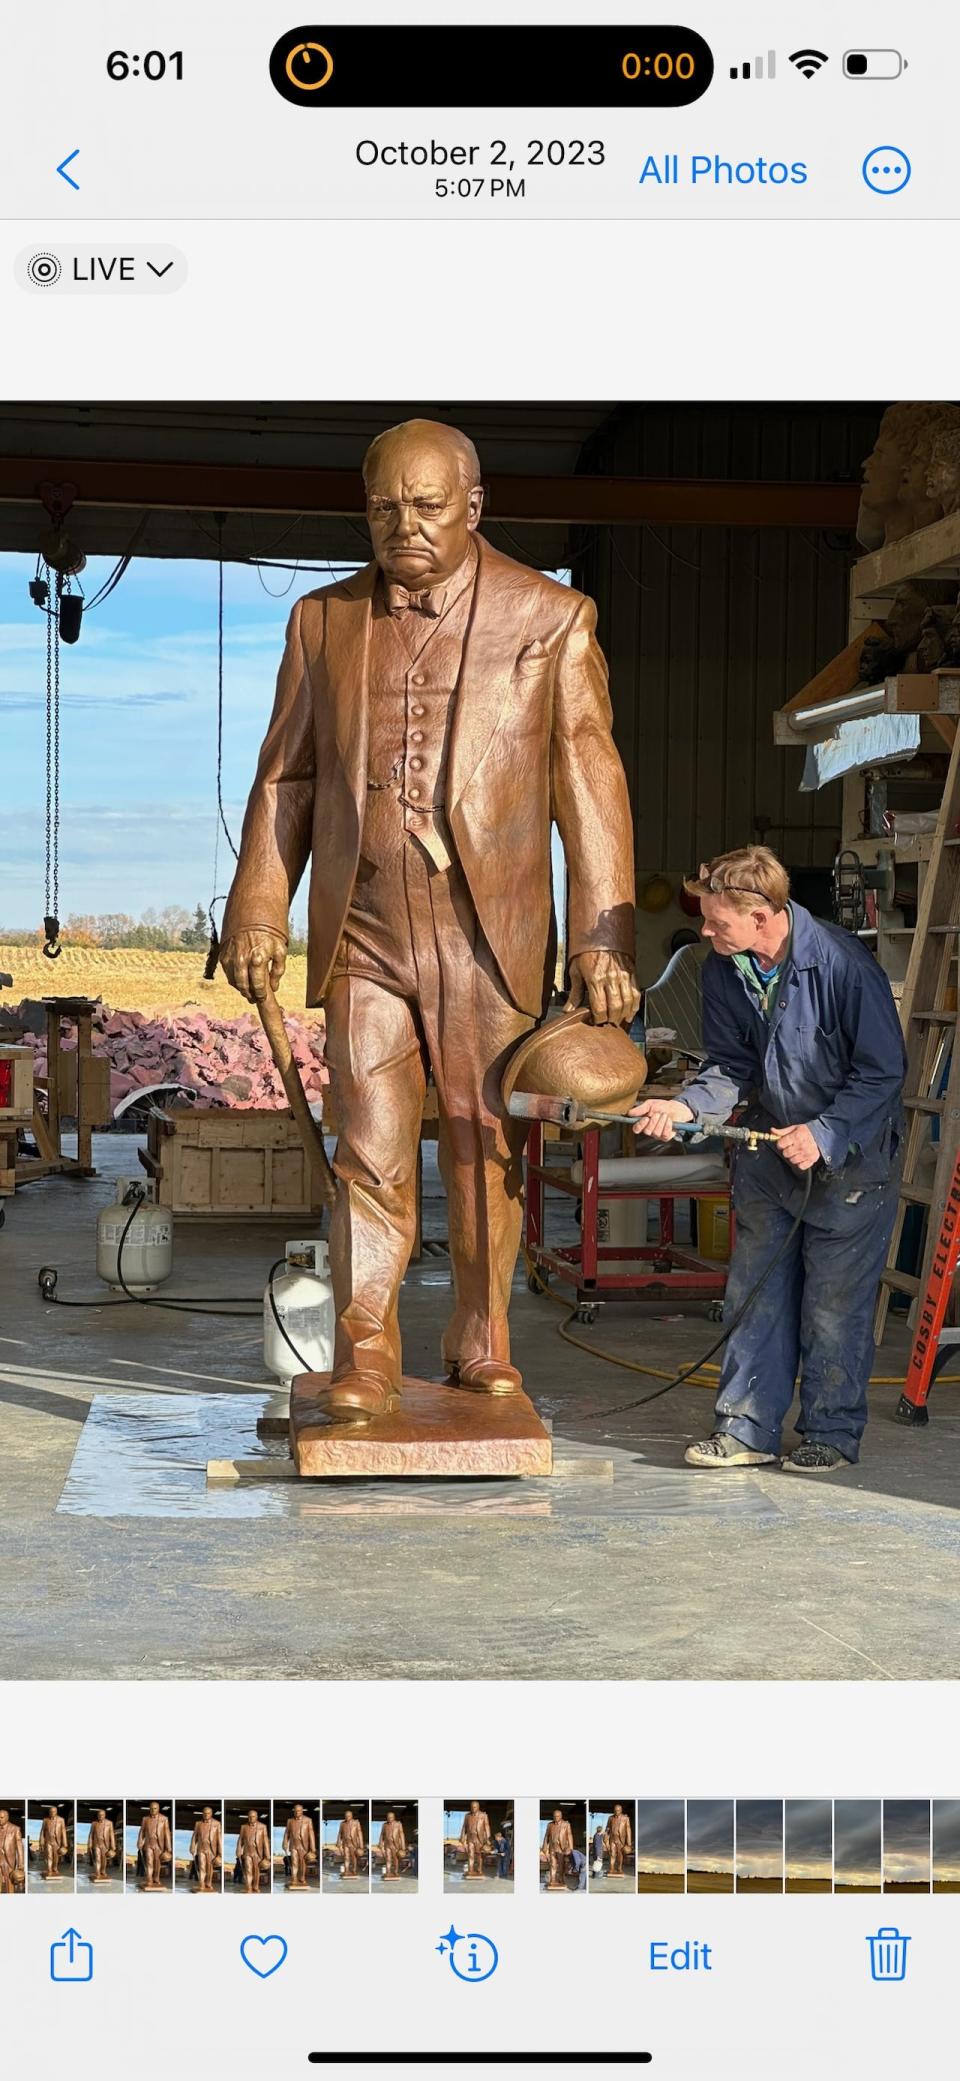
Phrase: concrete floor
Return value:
(741, 1575)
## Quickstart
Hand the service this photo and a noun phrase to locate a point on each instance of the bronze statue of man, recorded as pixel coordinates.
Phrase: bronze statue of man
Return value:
(558, 1843)
(206, 1847)
(618, 1839)
(253, 1851)
(434, 716)
(350, 1846)
(475, 1837)
(11, 1854)
(101, 1846)
(154, 1847)
(54, 1843)
(392, 1846)
(300, 1845)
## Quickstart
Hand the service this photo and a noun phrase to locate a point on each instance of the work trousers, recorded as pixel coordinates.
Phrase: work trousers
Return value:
(814, 1316)
(415, 988)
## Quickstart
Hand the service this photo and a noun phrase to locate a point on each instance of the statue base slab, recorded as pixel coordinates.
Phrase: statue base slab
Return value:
(438, 1430)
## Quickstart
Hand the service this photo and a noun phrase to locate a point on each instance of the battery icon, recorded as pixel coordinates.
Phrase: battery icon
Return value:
(873, 64)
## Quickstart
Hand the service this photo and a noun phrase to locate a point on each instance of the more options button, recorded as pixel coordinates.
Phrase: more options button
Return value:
(64, 268)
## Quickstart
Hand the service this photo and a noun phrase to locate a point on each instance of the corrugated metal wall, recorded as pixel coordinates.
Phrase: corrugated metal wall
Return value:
(709, 630)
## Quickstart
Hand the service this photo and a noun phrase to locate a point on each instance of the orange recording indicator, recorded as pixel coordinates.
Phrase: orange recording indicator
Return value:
(509, 66)
(309, 67)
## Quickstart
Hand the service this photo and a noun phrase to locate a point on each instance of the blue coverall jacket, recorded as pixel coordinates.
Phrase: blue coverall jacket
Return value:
(831, 1057)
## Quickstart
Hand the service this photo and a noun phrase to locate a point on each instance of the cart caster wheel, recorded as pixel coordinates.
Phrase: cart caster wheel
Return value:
(536, 1282)
(587, 1314)
(47, 1281)
(715, 1311)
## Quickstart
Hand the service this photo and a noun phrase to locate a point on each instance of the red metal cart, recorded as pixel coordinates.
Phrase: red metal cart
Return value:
(664, 1270)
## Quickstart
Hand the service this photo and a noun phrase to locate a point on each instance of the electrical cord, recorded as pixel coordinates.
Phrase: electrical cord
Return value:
(681, 1378)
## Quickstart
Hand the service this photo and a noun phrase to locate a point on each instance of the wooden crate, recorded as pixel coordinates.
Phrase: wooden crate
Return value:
(20, 1112)
(227, 1164)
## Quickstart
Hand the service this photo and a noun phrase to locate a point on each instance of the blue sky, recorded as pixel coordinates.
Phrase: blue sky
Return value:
(138, 732)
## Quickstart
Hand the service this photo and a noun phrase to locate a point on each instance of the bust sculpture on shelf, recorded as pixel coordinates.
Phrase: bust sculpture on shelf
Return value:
(434, 715)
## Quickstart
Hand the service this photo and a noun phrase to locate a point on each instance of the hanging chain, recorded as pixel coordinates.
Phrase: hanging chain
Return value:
(51, 922)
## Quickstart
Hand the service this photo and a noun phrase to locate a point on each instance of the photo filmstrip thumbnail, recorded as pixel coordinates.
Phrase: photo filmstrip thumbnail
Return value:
(99, 1846)
(148, 1846)
(198, 1846)
(563, 1846)
(295, 1839)
(247, 1856)
(611, 1833)
(478, 1845)
(50, 1845)
(394, 1846)
(13, 1848)
(346, 1847)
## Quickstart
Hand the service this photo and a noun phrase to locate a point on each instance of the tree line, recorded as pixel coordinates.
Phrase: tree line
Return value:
(172, 930)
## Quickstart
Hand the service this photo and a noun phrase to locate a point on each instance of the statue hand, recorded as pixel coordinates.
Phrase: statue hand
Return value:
(253, 942)
(608, 982)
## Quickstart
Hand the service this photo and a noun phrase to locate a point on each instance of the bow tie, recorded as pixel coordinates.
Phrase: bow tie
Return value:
(425, 602)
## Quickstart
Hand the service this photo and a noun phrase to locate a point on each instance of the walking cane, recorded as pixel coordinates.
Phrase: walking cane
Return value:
(271, 1019)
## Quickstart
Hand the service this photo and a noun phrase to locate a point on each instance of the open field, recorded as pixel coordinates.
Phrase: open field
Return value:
(660, 1882)
(134, 979)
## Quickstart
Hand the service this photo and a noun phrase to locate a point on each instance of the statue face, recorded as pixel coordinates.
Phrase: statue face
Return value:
(154, 1807)
(348, 1816)
(4, 1817)
(298, 1811)
(208, 1813)
(420, 514)
(51, 1813)
(474, 1806)
(391, 1816)
(253, 1814)
(101, 1813)
(618, 1809)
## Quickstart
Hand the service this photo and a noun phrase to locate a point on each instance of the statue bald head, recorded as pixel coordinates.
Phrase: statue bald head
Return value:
(424, 499)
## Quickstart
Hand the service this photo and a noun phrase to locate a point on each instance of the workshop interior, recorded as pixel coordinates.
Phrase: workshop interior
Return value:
(332, 1244)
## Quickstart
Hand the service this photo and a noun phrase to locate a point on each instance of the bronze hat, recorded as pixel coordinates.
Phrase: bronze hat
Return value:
(571, 1057)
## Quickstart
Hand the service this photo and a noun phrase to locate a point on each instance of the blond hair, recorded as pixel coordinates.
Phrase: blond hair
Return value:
(749, 873)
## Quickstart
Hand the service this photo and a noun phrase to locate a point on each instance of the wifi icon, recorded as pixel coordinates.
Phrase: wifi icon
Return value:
(808, 62)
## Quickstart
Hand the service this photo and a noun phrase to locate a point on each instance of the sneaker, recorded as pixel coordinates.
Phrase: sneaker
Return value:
(814, 1459)
(723, 1450)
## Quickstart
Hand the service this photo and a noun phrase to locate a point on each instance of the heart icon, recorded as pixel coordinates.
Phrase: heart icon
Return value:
(263, 1954)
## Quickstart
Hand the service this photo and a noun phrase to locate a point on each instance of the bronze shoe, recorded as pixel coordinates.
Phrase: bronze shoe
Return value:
(357, 1397)
(488, 1376)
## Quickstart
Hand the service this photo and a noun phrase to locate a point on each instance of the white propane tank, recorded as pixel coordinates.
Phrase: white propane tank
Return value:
(148, 1244)
(303, 1296)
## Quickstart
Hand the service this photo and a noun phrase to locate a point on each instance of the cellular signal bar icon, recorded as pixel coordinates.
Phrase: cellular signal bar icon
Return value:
(757, 68)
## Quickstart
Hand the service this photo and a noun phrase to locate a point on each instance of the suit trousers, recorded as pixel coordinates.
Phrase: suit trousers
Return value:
(415, 988)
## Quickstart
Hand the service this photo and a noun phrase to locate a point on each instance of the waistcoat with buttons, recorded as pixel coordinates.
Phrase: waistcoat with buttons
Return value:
(414, 670)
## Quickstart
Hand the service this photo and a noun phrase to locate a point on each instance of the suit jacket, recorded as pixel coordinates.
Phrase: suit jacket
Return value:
(531, 742)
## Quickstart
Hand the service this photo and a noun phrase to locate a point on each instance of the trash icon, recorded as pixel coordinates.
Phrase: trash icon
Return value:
(888, 1955)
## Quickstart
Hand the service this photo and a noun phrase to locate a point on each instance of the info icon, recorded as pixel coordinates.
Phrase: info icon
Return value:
(302, 65)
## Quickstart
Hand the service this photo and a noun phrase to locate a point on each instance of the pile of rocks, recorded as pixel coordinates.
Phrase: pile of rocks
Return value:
(227, 1062)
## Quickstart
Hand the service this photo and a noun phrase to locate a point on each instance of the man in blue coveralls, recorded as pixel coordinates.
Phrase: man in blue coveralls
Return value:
(800, 1024)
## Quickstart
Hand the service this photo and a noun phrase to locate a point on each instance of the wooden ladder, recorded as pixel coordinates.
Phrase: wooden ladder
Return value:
(929, 1027)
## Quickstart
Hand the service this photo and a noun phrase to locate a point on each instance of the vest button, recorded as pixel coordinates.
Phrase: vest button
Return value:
(416, 736)
(414, 794)
(417, 708)
(416, 765)
(419, 679)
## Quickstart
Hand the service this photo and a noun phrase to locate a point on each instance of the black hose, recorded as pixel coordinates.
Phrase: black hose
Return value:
(728, 1329)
